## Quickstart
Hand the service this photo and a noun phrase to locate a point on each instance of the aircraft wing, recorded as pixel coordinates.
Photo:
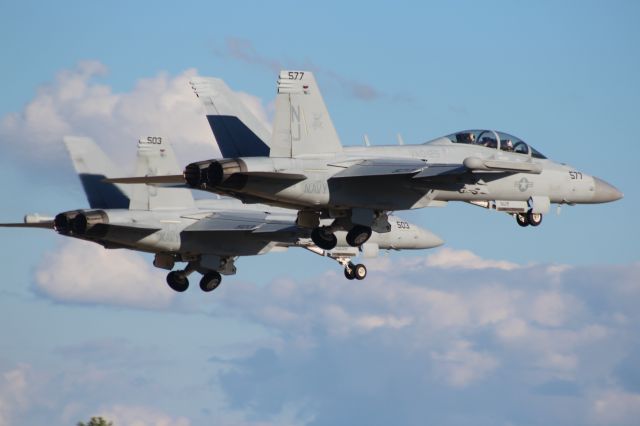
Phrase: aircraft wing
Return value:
(233, 221)
(379, 167)
(31, 221)
(44, 225)
(178, 181)
(419, 169)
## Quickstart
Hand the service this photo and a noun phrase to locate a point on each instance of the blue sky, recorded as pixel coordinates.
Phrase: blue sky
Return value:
(502, 326)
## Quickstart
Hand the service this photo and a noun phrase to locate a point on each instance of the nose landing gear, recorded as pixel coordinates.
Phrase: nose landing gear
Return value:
(358, 272)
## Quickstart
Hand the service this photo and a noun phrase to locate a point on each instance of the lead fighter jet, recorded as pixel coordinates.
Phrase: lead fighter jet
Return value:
(209, 235)
(305, 167)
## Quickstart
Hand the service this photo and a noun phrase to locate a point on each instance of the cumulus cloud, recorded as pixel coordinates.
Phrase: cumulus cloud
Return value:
(77, 103)
(437, 345)
(462, 365)
(14, 386)
(532, 336)
(616, 407)
(128, 415)
(465, 259)
(83, 272)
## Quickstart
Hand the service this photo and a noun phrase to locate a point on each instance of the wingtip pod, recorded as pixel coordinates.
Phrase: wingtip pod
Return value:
(31, 220)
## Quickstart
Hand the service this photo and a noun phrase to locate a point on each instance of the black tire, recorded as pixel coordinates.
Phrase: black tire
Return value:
(522, 219)
(178, 281)
(350, 272)
(358, 235)
(324, 240)
(360, 271)
(210, 281)
(534, 219)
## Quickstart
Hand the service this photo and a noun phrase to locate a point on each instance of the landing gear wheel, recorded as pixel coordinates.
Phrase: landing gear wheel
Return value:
(534, 219)
(178, 281)
(323, 239)
(350, 271)
(360, 271)
(210, 281)
(358, 235)
(522, 219)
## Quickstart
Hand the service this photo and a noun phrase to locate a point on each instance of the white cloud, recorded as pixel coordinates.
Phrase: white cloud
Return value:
(14, 385)
(549, 308)
(461, 365)
(83, 272)
(75, 103)
(132, 415)
(448, 258)
(616, 407)
(255, 105)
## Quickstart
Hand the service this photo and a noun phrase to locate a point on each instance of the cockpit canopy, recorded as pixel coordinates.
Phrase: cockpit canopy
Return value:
(495, 140)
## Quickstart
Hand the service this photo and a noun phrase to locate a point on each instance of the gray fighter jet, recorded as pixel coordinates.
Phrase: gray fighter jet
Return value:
(305, 167)
(209, 235)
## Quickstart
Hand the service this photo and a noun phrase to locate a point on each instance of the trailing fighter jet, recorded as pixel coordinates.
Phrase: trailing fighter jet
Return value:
(209, 235)
(305, 167)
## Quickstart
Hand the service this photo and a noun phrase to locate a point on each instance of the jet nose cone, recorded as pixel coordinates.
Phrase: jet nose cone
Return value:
(429, 240)
(604, 192)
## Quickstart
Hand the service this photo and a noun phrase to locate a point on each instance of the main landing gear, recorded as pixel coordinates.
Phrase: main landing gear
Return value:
(530, 218)
(358, 272)
(324, 237)
(210, 281)
(179, 280)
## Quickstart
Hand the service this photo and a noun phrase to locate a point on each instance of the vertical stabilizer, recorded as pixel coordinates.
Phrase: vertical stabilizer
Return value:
(156, 157)
(302, 124)
(93, 166)
(237, 130)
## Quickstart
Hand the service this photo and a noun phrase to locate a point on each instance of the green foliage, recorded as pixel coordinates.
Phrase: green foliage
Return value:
(96, 421)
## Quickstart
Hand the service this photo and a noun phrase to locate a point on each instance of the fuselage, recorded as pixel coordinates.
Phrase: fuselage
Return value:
(320, 188)
(223, 227)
